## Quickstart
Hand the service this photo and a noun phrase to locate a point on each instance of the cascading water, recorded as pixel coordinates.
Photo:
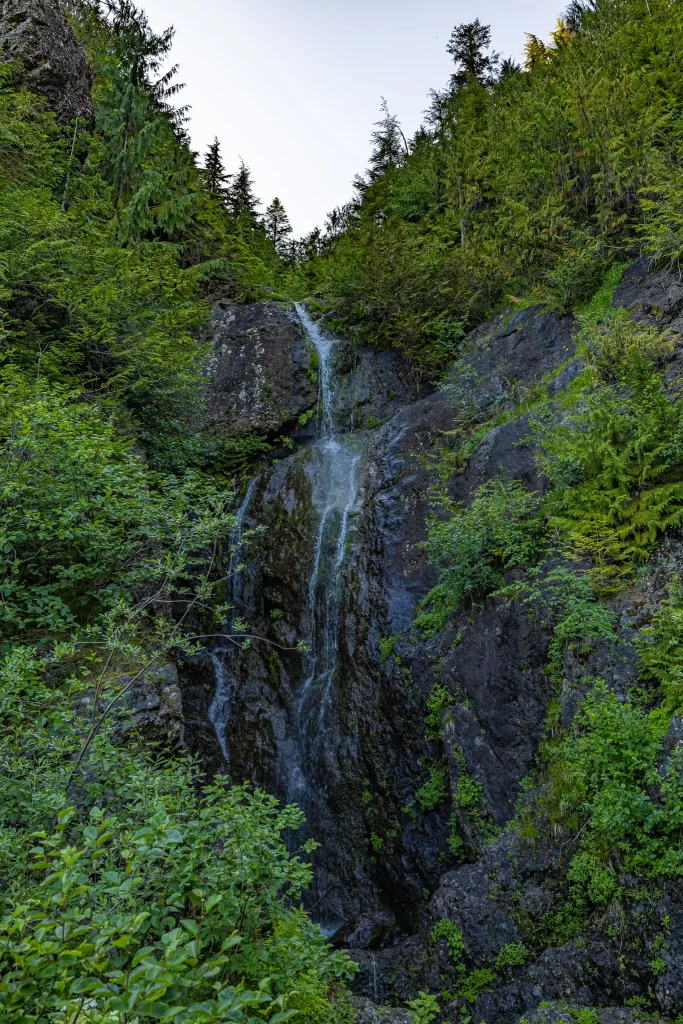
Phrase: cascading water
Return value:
(334, 469)
(221, 657)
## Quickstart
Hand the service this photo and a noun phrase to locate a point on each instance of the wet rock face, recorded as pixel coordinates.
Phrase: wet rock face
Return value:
(37, 33)
(357, 772)
(261, 373)
(385, 874)
(151, 711)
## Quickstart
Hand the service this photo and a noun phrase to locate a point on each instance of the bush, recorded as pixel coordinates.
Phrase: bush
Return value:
(616, 462)
(448, 930)
(475, 547)
(515, 954)
(660, 646)
(83, 523)
(434, 790)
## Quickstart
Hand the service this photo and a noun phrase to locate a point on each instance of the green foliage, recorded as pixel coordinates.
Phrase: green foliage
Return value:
(83, 522)
(474, 983)
(591, 881)
(586, 1016)
(437, 702)
(475, 547)
(434, 790)
(448, 930)
(660, 647)
(148, 917)
(604, 780)
(615, 462)
(387, 645)
(566, 600)
(525, 182)
(514, 954)
(424, 1009)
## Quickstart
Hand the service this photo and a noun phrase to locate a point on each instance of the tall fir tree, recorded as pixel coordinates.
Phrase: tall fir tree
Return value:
(389, 144)
(278, 227)
(216, 179)
(467, 47)
(241, 198)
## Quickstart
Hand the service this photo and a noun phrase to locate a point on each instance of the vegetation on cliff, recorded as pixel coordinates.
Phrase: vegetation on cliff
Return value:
(133, 892)
(128, 893)
(523, 182)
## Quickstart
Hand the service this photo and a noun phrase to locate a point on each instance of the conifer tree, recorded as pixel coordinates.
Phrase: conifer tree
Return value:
(466, 46)
(241, 198)
(216, 178)
(277, 226)
(389, 144)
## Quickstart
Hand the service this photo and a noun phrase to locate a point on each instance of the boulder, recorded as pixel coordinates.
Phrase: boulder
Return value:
(37, 34)
(261, 371)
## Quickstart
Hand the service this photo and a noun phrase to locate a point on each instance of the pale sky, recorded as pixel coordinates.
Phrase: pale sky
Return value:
(294, 86)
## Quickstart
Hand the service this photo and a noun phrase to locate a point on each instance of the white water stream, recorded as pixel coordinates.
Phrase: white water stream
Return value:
(334, 466)
(221, 657)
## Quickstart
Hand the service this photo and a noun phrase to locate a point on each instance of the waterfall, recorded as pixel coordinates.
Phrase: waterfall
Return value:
(221, 657)
(334, 467)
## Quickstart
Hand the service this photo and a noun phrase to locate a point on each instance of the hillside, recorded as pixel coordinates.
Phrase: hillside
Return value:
(341, 634)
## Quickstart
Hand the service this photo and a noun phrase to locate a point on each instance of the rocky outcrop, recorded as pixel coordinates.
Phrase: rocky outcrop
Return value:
(261, 372)
(151, 711)
(387, 870)
(37, 34)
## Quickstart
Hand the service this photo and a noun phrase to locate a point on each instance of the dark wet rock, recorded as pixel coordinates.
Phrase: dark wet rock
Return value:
(371, 386)
(369, 931)
(38, 34)
(368, 1012)
(506, 362)
(566, 1013)
(261, 372)
(385, 873)
(151, 711)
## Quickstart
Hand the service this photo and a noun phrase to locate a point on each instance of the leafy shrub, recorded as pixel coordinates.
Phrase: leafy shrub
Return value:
(660, 647)
(437, 702)
(474, 983)
(165, 898)
(604, 777)
(514, 954)
(434, 790)
(424, 1009)
(566, 600)
(591, 880)
(616, 462)
(188, 908)
(448, 930)
(83, 522)
(475, 547)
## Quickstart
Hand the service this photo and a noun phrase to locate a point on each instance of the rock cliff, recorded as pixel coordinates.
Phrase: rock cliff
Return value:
(37, 34)
(351, 745)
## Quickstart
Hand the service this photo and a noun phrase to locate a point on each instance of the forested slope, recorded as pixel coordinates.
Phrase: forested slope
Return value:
(455, 477)
(126, 895)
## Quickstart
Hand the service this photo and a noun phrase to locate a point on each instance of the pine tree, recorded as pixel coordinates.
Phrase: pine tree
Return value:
(277, 226)
(216, 178)
(145, 154)
(241, 198)
(390, 146)
(466, 46)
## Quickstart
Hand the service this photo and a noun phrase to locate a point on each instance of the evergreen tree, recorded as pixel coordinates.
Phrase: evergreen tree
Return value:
(466, 46)
(277, 226)
(216, 178)
(241, 198)
(389, 144)
(145, 155)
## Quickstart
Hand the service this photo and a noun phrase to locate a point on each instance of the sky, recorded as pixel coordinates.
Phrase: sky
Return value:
(293, 87)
